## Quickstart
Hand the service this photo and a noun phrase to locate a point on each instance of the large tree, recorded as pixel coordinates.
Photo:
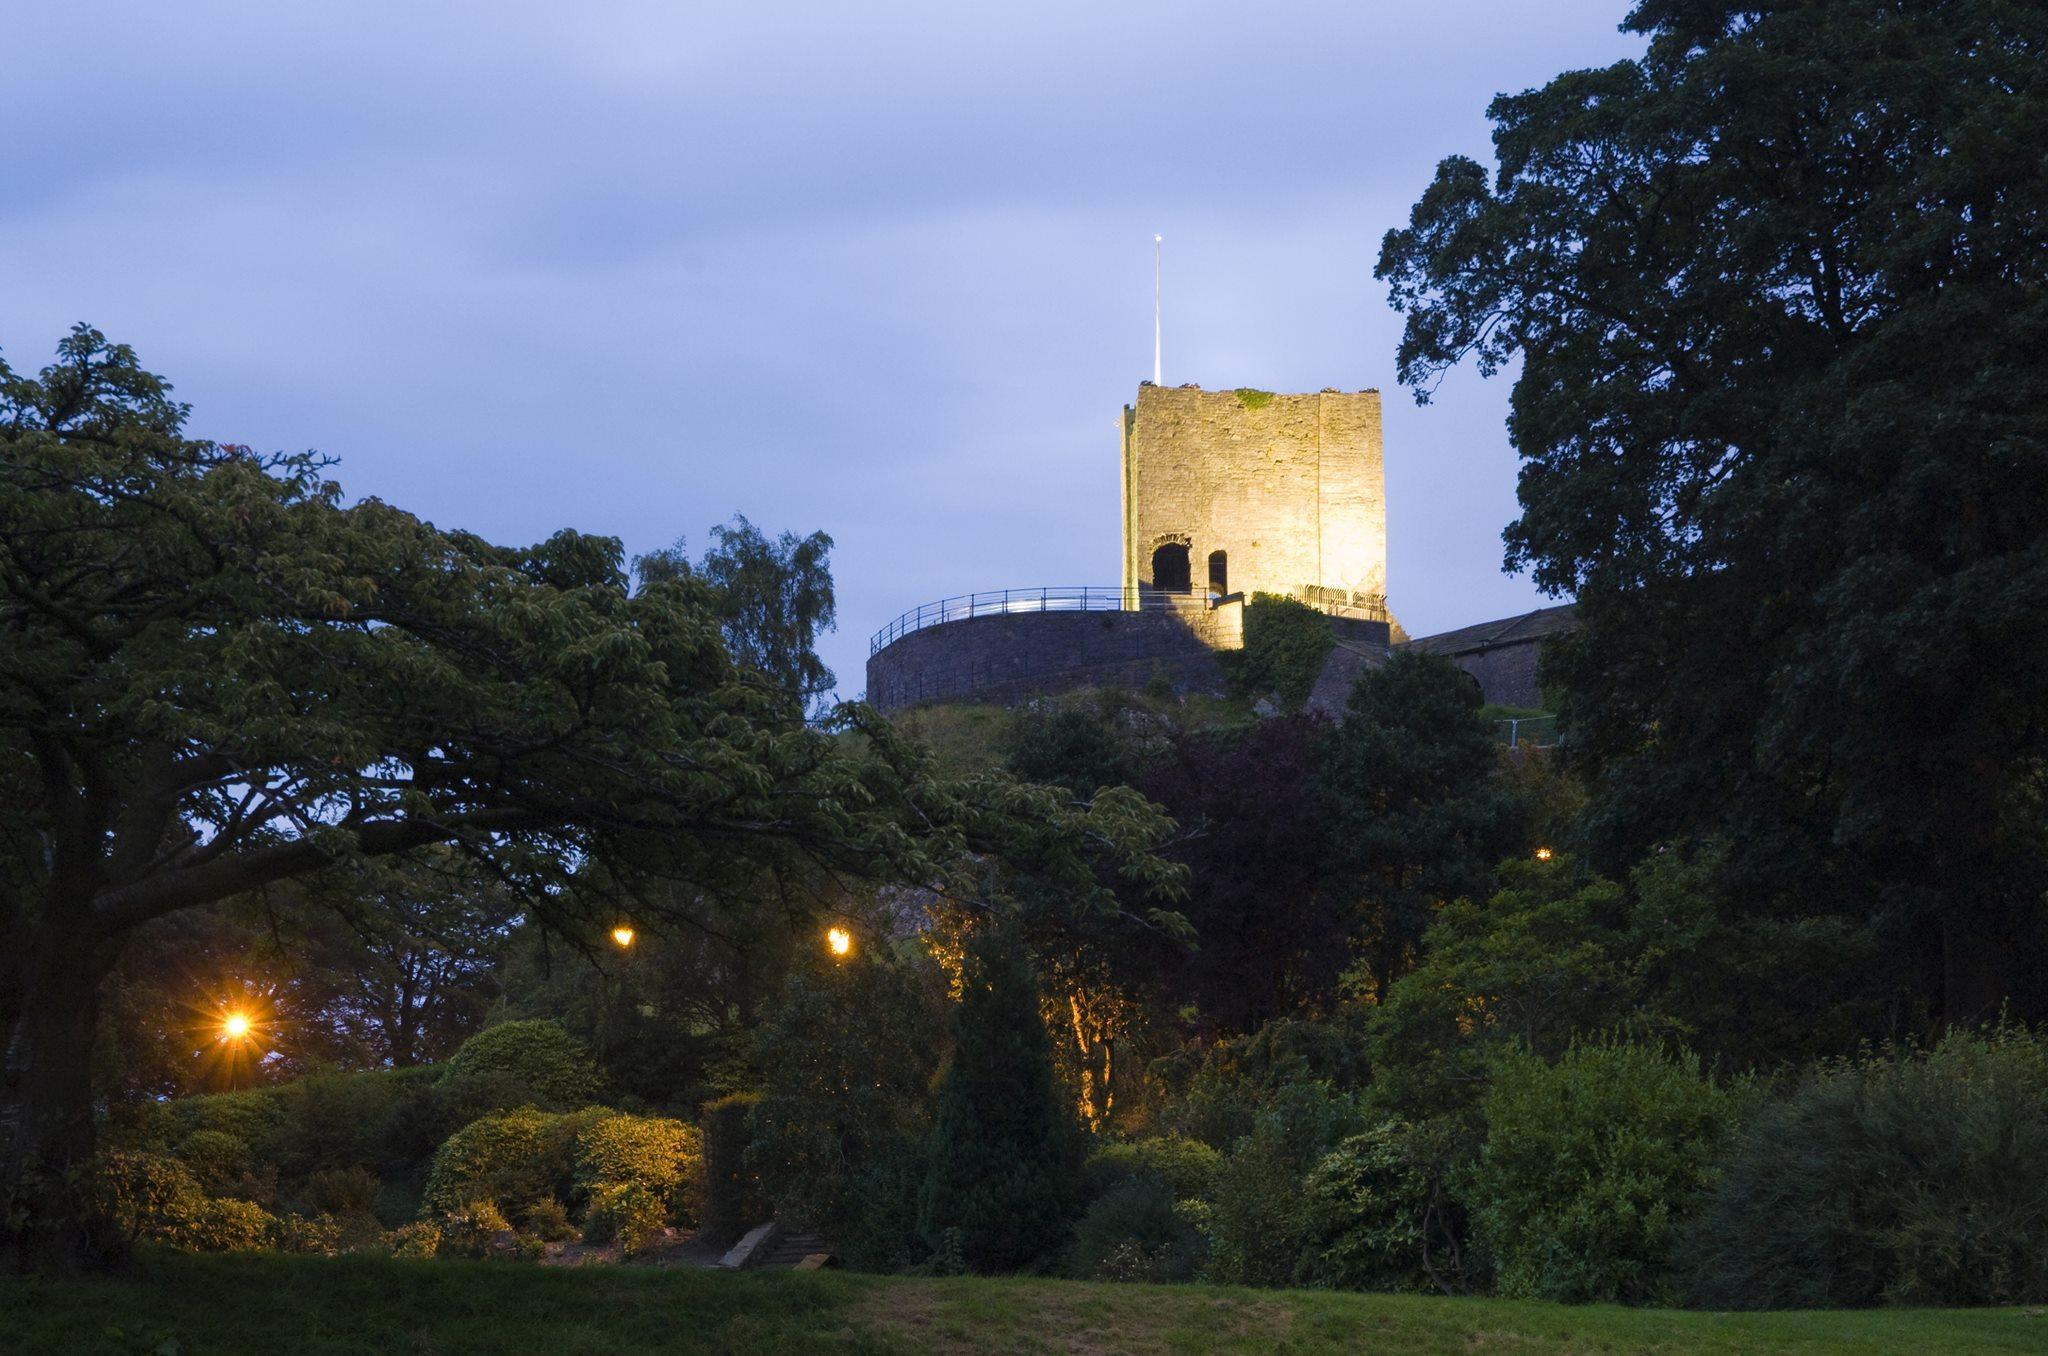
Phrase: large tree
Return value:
(215, 674)
(1415, 810)
(1778, 290)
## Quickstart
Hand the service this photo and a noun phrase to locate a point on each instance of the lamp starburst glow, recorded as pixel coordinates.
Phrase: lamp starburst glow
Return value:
(839, 941)
(1543, 854)
(623, 936)
(234, 1026)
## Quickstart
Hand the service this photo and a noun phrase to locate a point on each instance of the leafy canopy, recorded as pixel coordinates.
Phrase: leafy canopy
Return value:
(1779, 295)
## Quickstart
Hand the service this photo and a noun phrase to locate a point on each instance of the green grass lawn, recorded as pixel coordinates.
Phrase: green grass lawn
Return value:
(272, 1306)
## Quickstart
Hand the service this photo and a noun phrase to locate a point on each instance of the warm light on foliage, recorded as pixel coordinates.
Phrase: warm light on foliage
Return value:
(1543, 854)
(839, 941)
(623, 935)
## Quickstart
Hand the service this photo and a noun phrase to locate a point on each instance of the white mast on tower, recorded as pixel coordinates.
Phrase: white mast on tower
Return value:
(1157, 379)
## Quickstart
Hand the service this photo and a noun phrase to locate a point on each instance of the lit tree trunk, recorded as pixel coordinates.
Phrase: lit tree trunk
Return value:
(51, 999)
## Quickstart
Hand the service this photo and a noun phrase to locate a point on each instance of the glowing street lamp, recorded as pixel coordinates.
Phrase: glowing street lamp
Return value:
(1543, 854)
(623, 936)
(234, 1027)
(839, 941)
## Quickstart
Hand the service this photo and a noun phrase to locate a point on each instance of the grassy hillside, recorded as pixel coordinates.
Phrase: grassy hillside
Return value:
(279, 1306)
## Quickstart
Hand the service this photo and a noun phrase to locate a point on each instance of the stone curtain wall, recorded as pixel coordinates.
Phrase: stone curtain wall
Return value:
(1292, 487)
(1014, 656)
(1507, 673)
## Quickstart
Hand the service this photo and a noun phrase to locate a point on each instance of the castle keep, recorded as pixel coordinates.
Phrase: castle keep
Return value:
(1228, 492)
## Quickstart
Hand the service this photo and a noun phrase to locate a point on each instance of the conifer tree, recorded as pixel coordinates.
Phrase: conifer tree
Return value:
(998, 1190)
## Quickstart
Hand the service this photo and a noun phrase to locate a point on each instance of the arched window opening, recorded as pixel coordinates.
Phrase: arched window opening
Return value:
(1170, 568)
(1219, 573)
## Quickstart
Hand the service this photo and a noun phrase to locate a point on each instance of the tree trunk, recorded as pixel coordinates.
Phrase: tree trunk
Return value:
(46, 1105)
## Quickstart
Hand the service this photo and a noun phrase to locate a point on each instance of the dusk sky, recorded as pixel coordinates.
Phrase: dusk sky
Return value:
(882, 270)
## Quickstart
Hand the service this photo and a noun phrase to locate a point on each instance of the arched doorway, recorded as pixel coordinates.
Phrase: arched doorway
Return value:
(1170, 570)
(1219, 573)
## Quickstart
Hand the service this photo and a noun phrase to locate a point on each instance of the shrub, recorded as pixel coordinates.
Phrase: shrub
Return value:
(1135, 1232)
(156, 1199)
(225, 1225)
(664, 1156)
(629, 1213)
(314, 1235)
(1188, 1167)
(421, 1238)
(732, 1195)
(251, 1116)
(524, 1063)
(883, 1234)
(1215, 1093)
(1379, 1213)
(1259, 1224)
(1590, 1166)
(218, 1160)
(509, 1160)
(1002, 1170)
(846, 1061)
(146, 1195)
(472, 1229)
(1902, 1178)
(548, 1220)
(341, 1191)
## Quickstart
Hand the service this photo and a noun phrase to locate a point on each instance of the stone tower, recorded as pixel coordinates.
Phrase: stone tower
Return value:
(1228, 492)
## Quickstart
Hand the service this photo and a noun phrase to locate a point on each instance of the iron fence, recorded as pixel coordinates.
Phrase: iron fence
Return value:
(996, 602)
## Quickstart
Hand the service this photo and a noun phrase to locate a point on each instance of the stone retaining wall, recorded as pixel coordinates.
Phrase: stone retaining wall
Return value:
(1017, 655)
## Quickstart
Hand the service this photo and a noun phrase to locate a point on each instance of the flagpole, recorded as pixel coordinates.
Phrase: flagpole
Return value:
(1157, 378)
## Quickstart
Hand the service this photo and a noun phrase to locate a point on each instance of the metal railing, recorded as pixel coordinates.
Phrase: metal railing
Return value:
(996, 602)
(1539, 731)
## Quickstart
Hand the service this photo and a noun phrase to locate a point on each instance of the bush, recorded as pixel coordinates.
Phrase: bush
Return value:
(732, 1195)
(1188, 1167)
(472, 1229)
(156, 1199)
(1380, 1216)
(1259, 1225)
(313, 1235)
(1900, 1178)
(218, 1160)
(664, 1156)
(341, 1191)
(421, 1238)
(1135, 1232)
(548, 1220)
(1590, 1167)
(1000, 1178)
(225, 1225)
(883, 1235)
(528, 1063)
(629, 1213)
(847, 1059)
(251, 1116)
(509, 1160)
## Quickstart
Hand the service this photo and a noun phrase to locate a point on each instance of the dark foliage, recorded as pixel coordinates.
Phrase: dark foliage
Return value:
(1286, 643)
(1779, 293)
(1134, 1231)
(733, 1199)
(1413, 806)
(1899, 1178)
(1000, 1185)
(1270, 935)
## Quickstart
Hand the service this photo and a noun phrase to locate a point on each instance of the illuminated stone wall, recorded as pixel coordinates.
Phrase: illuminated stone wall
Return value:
(1290, 487)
